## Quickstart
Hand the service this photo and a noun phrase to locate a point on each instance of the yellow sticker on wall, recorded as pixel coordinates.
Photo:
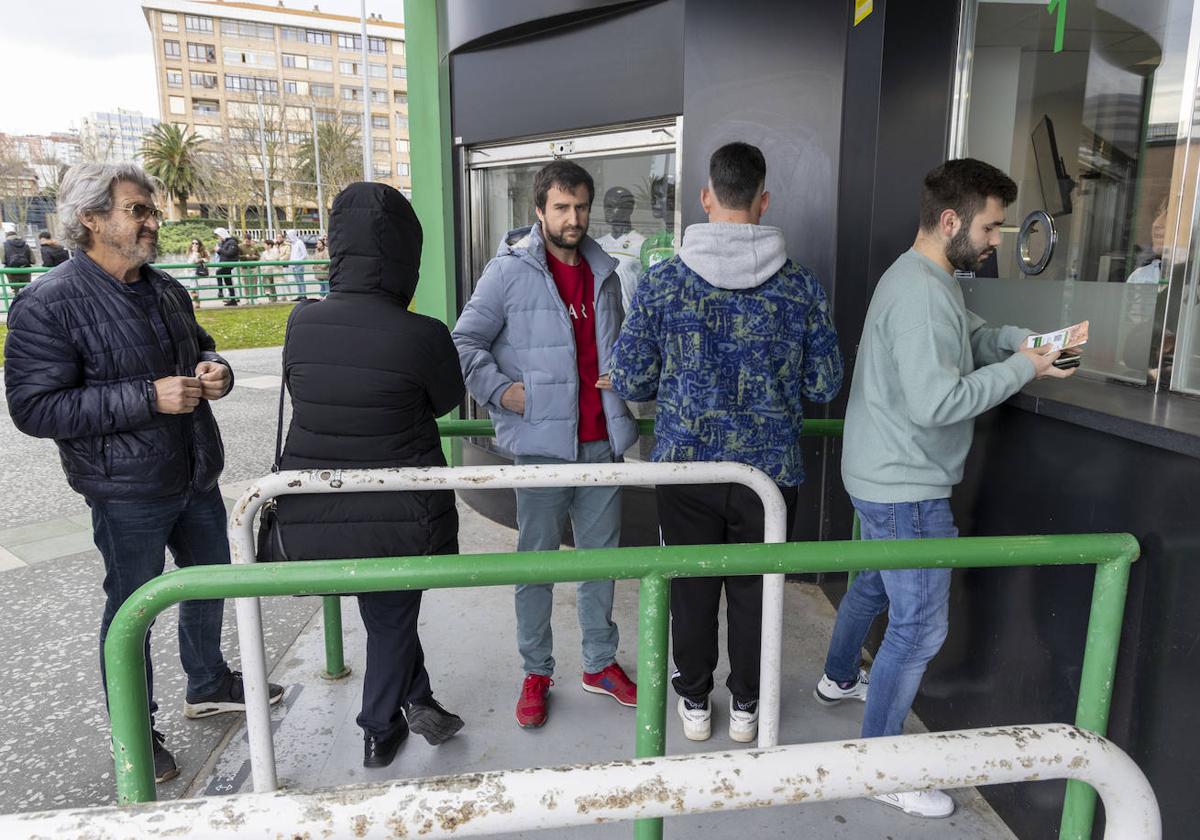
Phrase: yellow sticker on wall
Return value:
(862, 9)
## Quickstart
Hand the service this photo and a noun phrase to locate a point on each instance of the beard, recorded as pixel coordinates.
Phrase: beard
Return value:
(964, 256)
(559, 237)
(140, 251)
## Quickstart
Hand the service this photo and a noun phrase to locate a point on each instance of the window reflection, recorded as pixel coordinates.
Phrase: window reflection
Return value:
(1090, 134)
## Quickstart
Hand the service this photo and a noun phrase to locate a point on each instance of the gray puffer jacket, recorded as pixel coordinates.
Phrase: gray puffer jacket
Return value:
(515, 328)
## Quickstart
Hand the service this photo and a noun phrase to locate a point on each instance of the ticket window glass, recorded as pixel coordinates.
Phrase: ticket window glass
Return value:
(634, 217)
(1096, 132)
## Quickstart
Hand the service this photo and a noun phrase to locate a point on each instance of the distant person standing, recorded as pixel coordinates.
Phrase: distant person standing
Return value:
(198, 256)
(322, 274)
(16, 255)
(227, 252)
(52, 253)
(299, 252)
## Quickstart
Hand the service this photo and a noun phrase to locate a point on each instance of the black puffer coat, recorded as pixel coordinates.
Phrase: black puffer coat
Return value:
(368, 378)
(80, 355)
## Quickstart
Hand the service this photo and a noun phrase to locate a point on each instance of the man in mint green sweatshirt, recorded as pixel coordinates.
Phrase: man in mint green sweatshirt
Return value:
(927, 367)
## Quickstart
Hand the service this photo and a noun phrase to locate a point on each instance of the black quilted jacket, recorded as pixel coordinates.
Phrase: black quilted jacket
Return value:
(368, 378)
(79, 356)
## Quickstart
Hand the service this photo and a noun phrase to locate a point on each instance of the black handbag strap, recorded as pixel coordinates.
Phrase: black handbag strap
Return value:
(279, 424)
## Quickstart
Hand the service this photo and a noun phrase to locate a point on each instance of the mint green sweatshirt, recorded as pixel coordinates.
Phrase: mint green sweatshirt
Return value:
(927, 367)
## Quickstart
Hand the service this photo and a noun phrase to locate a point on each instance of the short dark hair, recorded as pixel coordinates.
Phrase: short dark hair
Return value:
(964, 186)
(737, 171)
(45, 235)
(564, 174)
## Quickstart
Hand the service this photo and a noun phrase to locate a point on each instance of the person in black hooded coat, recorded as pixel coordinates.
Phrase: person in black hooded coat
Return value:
(368, 378)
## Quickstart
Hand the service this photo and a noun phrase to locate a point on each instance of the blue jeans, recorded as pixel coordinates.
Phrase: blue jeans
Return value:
(133, 537)
(918, 607)
(595, 514)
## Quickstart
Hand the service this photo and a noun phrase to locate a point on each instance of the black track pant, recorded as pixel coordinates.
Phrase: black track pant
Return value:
(701, 514)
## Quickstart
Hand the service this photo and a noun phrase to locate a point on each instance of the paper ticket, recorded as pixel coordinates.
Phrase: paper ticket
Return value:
(1072, 336)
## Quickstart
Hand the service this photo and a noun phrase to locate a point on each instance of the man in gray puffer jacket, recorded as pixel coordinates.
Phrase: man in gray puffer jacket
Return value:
(532, 342)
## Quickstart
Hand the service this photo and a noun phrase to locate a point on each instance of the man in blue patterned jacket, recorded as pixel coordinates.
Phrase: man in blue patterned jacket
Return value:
(729, 336)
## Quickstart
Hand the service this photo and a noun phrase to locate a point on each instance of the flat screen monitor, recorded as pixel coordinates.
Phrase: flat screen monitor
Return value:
(1052, 174)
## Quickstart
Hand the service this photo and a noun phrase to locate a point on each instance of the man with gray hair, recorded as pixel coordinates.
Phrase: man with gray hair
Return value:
(105, 356)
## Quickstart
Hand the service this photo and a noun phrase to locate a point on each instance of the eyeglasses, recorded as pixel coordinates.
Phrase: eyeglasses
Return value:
(142, 212)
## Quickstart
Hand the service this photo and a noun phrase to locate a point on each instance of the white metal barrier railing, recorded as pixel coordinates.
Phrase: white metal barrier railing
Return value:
(520, 800)
(249, 615)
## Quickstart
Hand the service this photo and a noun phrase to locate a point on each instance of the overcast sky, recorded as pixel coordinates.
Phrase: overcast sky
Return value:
(61, 59)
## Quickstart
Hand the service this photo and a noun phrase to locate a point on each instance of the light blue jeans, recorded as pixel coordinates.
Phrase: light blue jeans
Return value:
(595, 514)
(918, 607)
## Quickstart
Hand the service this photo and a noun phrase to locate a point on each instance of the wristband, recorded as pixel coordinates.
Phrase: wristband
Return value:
(152, 396)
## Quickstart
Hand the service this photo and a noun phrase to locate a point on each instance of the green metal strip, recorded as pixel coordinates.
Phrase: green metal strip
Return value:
(654, 609)
(432, 173)
(126, 665)
(483, 428)
(1096, 685)
(335, 662)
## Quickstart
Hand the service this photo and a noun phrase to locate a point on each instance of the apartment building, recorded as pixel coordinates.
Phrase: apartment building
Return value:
(114, 136)
(217, 60)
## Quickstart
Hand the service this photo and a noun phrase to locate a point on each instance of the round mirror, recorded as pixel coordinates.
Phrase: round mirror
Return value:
(1035, 242)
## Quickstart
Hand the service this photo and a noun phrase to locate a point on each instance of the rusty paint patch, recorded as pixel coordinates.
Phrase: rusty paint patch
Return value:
(655, 790)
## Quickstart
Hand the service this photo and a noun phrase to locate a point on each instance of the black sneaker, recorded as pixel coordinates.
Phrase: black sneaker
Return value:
(380, 750)
(229, 696)
(165, 768)
(431, 721)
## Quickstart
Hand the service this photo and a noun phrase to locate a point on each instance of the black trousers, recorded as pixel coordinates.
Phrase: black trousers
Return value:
(395, 672)
(225, 278)
(704, 514)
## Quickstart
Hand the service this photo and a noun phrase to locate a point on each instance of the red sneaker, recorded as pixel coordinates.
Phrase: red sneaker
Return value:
(531, 705)
(614, 682)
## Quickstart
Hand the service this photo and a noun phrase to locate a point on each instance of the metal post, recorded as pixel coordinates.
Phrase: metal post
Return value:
(317, 161)
(129, 709)
(1095, 685)
(335, 663)
(262, 148)
(654, 605)
(368, 172)
(554, 798)
(254, 672)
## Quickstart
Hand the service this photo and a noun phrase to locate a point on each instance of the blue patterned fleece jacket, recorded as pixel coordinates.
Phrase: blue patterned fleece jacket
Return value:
(729, 336)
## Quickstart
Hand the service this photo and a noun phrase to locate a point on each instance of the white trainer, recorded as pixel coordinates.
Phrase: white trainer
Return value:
(931, 804)
(697, 722)
(829, 693)
(743, 723)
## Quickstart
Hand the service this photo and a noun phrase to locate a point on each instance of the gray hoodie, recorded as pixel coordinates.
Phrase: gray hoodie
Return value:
(734, 256)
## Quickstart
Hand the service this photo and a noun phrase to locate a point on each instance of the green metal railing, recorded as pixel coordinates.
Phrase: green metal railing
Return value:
(654, 567)
(335, 661)
(267, 281)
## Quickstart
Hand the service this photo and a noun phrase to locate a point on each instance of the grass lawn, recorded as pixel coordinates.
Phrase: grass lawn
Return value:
(234, 328)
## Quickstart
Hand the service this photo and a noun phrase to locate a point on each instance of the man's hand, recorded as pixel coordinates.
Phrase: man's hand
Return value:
(176, 394)
(604, 383)
(1043, 362)
(214, 379)
(513, 398)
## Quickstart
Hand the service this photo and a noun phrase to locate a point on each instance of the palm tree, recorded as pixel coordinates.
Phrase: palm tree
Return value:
(172, 155)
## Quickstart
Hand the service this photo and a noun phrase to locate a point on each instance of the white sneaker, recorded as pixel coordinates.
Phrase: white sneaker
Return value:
(829, 693)
(932, 804)
(743, 724)
(697, 723)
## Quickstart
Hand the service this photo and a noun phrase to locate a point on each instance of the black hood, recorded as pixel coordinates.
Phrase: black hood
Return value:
(374, 242)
